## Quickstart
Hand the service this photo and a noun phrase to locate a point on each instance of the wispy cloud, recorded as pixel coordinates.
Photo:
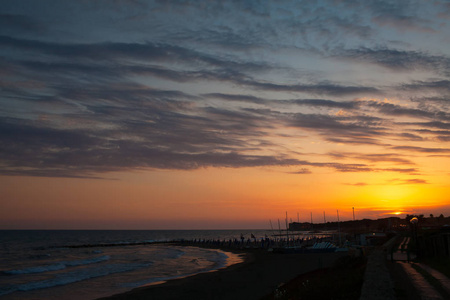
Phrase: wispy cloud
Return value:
(12, 23)
(397, 181)
(208, 91)
(421, 149)
(397, 60)
(373, 158)
(357, 184)
(302, 171)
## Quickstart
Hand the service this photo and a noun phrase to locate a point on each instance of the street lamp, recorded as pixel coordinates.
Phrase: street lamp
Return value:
(414, 221)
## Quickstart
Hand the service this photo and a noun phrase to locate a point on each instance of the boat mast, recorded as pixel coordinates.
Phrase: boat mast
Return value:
(270, 221)
(287, 230)
(339, 227)
(279, 228)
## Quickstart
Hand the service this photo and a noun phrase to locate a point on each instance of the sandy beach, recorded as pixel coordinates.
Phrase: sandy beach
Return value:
(260, 273)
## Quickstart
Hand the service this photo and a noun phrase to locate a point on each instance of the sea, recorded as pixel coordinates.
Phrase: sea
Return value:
(88, 264)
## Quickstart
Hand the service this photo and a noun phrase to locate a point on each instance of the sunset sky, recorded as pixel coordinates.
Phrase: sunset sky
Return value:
(221, 114)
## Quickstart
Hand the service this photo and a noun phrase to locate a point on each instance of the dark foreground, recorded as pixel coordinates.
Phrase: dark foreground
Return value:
(259, 275)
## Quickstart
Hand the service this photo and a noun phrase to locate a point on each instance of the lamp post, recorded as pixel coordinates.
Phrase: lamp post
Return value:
(339, 228)
(414, 223)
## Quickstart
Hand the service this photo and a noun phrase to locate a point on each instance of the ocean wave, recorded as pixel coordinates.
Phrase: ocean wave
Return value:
(221, 260)
(177, 254)
(153, 280)
(38, 269)
(214, 259)
(40, 256)
(71, 277)
(107, 244)
(207, 260)
(57, 266)
(169, 253)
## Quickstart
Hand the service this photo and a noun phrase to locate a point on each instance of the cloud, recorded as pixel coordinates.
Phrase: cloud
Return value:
(438, 100)
(236, 98)
(373, 158)
(398, 181)
(319, 89)
(96, 59)
(397, 60)
(357, 184)
(412, 171)
(410, 137)
(346, 168)
(421, 149)
(439, 135)
(162, 140)
(397, 110)
(139, 56)
(319, 103)
(352, 129)
(402, 16)
(302, 171)
(356, 140)
(443, 138)
(395, 181)
(332, 123)
(208, 91)
(438, 86)
(11, 23)
(84, 153)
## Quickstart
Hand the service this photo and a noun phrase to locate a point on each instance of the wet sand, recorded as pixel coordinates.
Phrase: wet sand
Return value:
(260, 273)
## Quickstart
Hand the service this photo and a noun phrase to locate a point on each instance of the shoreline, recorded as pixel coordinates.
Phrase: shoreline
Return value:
(259, 274)
(235, 259)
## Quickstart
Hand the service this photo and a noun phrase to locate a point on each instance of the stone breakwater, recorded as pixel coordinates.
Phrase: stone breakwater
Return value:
(254, 243)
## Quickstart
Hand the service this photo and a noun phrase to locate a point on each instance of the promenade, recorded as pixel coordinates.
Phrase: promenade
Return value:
(396, 276)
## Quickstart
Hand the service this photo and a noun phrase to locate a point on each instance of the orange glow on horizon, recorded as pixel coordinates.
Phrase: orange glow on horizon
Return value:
(396, 213)
(210, 198)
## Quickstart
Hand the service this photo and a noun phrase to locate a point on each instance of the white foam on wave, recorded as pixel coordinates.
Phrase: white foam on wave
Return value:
(169, 253)
(71, 277)
(222, 261)
(38, 269)
(218, 258)
(57, 266)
